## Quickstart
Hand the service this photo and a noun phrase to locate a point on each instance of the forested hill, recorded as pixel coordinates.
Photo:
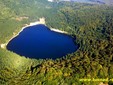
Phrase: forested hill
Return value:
(91, 24)
(107, 2)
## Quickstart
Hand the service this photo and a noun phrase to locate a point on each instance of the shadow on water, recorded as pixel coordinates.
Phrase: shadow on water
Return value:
(39, 41)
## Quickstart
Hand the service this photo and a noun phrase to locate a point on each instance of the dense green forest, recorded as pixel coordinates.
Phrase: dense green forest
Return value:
(91, 24)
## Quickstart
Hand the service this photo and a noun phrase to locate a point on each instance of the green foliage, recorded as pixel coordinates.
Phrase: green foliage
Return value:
(91, 24)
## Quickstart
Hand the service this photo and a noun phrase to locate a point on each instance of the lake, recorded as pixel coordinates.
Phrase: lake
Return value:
(40, 42)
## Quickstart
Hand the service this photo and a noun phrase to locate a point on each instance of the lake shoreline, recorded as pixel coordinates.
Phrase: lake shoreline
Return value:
(40, 42)
(41, 21)
(57, 30)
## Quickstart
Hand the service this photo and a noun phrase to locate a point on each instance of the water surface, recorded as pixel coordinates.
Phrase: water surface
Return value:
(40, 42)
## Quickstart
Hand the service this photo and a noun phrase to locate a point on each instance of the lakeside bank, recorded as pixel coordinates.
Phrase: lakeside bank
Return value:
(40, 21)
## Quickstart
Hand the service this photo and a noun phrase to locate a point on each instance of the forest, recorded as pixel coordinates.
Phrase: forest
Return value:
(91, 24)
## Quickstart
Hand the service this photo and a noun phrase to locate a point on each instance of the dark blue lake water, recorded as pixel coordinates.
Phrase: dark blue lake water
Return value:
(40, 42)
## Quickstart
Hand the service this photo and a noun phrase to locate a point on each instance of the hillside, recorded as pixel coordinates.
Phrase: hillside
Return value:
(91, 24)
(107, 2)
